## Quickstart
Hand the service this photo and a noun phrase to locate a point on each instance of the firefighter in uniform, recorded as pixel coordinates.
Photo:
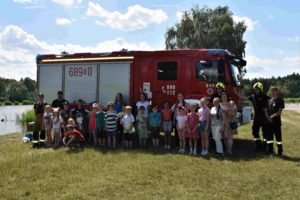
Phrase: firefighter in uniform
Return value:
(260, 104)
(220, 89)
(273, 114)
(39, 137)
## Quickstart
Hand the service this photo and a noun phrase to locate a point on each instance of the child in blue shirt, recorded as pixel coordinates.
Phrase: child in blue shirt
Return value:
(100, 125)
(154, 121)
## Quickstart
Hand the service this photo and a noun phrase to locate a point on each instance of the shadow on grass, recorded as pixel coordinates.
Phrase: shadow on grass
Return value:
(243, 150)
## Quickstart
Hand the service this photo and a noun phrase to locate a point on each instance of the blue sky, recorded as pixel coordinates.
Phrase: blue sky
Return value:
(31, 27)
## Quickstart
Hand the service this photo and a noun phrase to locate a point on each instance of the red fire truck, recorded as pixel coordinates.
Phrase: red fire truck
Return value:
(97, 77)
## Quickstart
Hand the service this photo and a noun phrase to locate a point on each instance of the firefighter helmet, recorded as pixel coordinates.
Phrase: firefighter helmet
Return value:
(259, 86)
(220, 85)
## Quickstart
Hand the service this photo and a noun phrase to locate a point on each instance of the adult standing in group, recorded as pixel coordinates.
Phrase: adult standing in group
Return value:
(217, 124)
(145, 103)
(80, 114)
(118, 103)
(229, 126)
(38, 129)
(220, 89)
(275, 107)
(260, 104)
(174, 108)
(60, 101)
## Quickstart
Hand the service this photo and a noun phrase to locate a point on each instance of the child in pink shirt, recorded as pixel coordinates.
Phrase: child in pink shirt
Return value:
(192, 125)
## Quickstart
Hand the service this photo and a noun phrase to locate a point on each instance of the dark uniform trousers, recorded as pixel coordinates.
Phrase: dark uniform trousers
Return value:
(259, 122)
(274, 129)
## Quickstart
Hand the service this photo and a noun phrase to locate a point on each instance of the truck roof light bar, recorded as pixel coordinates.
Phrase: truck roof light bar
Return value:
(87, 59)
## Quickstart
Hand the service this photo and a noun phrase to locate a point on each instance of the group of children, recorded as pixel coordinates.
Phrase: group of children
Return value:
(107, 126)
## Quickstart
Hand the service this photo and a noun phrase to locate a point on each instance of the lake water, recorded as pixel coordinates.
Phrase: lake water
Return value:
(8, 119)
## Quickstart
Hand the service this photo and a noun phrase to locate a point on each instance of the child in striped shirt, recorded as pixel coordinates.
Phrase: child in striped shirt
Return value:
(111, 125)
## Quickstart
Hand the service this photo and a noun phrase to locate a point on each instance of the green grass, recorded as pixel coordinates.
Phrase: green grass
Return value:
(27, 116)
(28, 173)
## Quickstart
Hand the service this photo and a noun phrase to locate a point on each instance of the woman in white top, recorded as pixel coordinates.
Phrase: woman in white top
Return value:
(143, 102)
(217, 124)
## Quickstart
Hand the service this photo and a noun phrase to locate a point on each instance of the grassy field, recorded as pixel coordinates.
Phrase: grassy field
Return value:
(28, 173)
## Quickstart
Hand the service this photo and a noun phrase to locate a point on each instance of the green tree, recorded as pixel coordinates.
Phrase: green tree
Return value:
(29, 84)
(17, 92)
(207, 28)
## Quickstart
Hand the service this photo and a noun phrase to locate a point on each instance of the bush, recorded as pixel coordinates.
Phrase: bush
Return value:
(27, 102)
(8, 103)
(27, 116)
(16, 103)
(292, 100)
(2, 99)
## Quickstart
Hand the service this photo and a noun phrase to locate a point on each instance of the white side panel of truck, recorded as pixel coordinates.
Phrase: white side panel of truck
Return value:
(114, 78)
(81, 82)
(50, 81)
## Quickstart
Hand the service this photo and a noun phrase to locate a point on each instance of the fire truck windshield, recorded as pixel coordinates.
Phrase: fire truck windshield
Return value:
(207, 71)
(235, 75)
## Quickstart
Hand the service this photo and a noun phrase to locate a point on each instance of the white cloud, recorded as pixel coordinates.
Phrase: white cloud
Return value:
(136, 17)
(18, 50)
(267, 67)
(179, 15)
(67, 2)
(63, 21)
(250, 23)
(293, 39)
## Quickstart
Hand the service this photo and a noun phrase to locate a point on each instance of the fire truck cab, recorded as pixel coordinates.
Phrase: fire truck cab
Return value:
(98, 77)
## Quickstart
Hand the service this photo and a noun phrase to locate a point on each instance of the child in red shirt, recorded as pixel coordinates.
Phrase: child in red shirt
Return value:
(72, 136)
(167, 124)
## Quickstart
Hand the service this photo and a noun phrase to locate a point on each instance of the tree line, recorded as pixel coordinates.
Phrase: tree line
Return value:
(289, 85)
(17, 91)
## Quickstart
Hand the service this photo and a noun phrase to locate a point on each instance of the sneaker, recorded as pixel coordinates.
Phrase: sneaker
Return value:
(191, 152)
(169, 147)
(180, 151)
(166, 147)
(203, 153)
(219, 154)
(195, 152)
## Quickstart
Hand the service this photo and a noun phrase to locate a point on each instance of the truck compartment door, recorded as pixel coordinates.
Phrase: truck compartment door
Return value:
(80, 82)
(49, 80)
(114, 78)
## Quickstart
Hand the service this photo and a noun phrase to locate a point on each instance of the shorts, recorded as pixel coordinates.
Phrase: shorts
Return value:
(182, 134)
(143, 133)
(155, 132)
(193, 135)
(101, 133)
(202, 126)
(56, 131)
(128, 136)
(167, 126)
(111, 133)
